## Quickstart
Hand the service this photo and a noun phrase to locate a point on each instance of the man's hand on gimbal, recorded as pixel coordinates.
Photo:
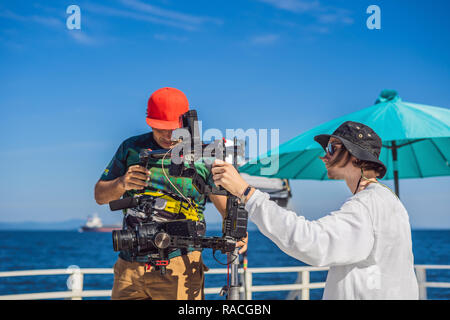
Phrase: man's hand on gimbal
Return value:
(135, 178)
(243, 244)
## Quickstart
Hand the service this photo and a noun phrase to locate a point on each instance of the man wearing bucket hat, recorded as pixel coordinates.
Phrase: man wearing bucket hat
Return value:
(366, 243)
(184, 277)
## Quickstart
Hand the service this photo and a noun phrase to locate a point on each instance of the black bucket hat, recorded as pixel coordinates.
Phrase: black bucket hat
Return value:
(360, 140)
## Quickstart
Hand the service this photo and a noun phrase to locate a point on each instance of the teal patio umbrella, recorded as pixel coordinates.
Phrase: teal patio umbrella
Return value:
(416, 143)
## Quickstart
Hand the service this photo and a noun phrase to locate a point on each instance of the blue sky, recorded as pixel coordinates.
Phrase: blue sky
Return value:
(68, 98)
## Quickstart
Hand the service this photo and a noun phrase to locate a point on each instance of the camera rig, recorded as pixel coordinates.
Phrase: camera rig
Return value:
(156, 239)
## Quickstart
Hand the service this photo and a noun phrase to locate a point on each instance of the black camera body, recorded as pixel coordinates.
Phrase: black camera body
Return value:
(153, 236)
(157, 239)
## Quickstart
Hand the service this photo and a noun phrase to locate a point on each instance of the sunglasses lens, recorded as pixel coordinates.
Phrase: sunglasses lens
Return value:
(330, 149)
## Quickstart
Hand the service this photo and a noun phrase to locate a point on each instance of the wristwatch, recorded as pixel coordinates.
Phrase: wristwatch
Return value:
(244, 195)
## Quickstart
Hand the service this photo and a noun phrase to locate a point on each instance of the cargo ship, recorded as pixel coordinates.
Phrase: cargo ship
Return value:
(94, 224)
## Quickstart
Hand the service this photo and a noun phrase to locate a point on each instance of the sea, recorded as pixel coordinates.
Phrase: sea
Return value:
(33, 250)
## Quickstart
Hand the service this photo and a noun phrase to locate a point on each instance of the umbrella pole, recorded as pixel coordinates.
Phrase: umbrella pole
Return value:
(394, 158)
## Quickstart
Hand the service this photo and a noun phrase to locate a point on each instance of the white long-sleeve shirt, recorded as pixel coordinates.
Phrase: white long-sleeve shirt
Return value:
(366, 243)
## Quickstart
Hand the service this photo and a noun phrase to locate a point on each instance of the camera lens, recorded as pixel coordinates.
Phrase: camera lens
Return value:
(122, 240)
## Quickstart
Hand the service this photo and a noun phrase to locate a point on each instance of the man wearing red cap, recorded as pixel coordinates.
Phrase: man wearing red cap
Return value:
(184, 278)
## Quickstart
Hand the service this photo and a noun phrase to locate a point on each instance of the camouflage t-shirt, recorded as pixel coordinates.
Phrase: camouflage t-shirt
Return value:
(128, 155)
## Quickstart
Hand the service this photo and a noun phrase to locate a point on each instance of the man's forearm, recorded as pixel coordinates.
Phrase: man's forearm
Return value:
(106, 191)
(220, 202)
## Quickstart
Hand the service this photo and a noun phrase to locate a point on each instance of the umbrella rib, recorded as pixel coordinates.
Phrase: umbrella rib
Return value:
(439, 151)
(307, 164)
(402, 145)
(417, 162)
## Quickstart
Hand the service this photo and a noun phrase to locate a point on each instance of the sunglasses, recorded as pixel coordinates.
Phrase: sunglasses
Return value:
(331, 148)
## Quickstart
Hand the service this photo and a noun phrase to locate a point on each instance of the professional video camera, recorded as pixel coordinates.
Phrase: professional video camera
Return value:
(156, 239)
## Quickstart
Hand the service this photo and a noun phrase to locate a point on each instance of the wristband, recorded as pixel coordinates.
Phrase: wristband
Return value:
(245, 194)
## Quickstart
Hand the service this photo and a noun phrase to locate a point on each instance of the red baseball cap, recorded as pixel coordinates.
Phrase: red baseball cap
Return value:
(164, 108)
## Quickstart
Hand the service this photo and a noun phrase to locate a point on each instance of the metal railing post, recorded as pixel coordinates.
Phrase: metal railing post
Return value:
(421, 274)
(305, 282)
(75, 282)
(248, 284)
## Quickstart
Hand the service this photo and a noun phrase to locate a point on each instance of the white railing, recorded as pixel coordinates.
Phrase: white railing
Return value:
(421, 273)
(300, 289)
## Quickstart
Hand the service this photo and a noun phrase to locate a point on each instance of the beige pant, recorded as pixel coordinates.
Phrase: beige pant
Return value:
(184, 280)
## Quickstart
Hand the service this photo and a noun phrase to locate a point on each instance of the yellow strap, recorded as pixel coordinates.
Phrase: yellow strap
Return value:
(175, 206)
(376, 181)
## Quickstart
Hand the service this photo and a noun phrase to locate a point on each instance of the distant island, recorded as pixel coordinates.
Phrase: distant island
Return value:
(74, 225)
